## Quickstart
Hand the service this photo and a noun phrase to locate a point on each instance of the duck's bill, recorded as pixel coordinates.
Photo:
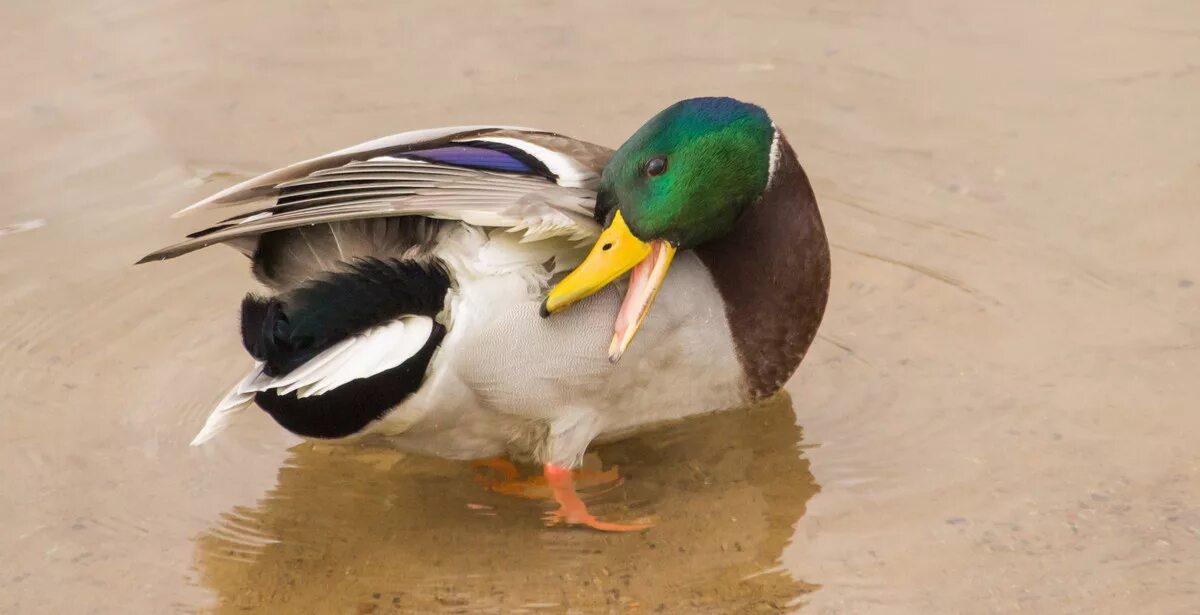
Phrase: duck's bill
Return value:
(616, 252)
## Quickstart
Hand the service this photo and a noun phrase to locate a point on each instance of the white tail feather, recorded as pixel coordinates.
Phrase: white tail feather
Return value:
(375, 351)
(238, 398)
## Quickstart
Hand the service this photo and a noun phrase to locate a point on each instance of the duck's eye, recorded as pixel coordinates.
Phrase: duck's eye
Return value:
(656, 166)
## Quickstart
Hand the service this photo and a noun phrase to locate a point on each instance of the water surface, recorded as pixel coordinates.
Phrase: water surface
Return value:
(998, 416)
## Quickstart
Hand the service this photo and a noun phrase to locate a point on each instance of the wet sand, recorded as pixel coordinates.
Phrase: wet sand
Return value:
(999, 414)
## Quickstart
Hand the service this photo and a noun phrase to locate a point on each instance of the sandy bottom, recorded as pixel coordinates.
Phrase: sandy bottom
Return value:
(1000, 414)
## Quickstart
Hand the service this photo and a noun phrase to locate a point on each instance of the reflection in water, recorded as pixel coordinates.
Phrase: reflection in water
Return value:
(365, 530)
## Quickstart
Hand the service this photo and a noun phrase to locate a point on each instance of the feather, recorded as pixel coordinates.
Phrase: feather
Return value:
(382, 350)
(494, 177)
(568, 171)
(375, 351)
(239, 398)
(265, 184)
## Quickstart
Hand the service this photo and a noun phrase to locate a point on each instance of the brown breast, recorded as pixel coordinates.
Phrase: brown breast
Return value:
(773, 272)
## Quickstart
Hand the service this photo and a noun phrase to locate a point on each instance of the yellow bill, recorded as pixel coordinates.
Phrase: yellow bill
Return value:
(616, 252)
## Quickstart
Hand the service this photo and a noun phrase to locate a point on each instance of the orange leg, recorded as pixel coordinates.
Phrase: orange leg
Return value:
(501, 476)
(572, 510)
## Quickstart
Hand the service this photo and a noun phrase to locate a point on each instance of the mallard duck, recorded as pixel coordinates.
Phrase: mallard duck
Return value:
(416, 287)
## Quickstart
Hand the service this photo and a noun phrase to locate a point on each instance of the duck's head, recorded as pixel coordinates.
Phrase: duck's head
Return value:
(682, 180)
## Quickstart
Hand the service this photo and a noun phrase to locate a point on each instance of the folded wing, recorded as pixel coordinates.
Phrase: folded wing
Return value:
(535, 183)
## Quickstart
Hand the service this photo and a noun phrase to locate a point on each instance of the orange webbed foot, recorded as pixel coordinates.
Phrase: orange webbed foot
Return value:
(571, 509)
(567, 516)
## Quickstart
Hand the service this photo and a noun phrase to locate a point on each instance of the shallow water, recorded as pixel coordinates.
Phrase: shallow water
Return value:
(999, 414)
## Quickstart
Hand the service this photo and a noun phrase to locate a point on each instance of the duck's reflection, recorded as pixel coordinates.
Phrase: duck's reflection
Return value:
(354, 530)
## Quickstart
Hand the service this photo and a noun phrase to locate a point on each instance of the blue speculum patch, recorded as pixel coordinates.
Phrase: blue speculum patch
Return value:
(472, 157)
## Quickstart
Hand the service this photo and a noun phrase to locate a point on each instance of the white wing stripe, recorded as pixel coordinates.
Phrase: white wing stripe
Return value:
(569, 171)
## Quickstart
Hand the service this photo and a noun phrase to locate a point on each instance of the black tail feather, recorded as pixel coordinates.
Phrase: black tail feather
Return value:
(286, 331)
(254, 314)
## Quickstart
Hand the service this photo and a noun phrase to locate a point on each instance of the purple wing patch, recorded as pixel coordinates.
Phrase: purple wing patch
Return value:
(472, 157)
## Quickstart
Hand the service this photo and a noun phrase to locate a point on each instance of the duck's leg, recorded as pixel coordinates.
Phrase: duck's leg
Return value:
(501, 476)
(572, 510)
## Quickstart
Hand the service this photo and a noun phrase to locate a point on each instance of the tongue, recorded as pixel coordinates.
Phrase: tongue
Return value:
(637, 301)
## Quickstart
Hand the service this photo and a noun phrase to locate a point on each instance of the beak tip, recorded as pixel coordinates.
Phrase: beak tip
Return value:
(615, 350)
(544, 310)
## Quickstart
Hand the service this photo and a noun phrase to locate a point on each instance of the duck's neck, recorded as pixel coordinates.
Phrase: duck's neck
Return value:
(772, 271)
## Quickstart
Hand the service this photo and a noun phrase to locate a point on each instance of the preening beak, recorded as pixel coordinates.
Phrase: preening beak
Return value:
(616, 252)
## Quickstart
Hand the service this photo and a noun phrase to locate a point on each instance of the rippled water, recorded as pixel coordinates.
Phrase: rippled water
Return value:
(999, 414)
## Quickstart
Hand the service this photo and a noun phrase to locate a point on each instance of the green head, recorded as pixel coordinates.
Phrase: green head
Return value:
(681, 180)
(688, 173)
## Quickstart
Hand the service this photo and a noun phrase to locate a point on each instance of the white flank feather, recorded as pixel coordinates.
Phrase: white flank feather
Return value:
(375, 351)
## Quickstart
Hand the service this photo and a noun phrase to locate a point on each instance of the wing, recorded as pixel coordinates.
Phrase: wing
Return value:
(537, 183)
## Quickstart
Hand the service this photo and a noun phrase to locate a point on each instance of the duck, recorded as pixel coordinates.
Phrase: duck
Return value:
(481, 292)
